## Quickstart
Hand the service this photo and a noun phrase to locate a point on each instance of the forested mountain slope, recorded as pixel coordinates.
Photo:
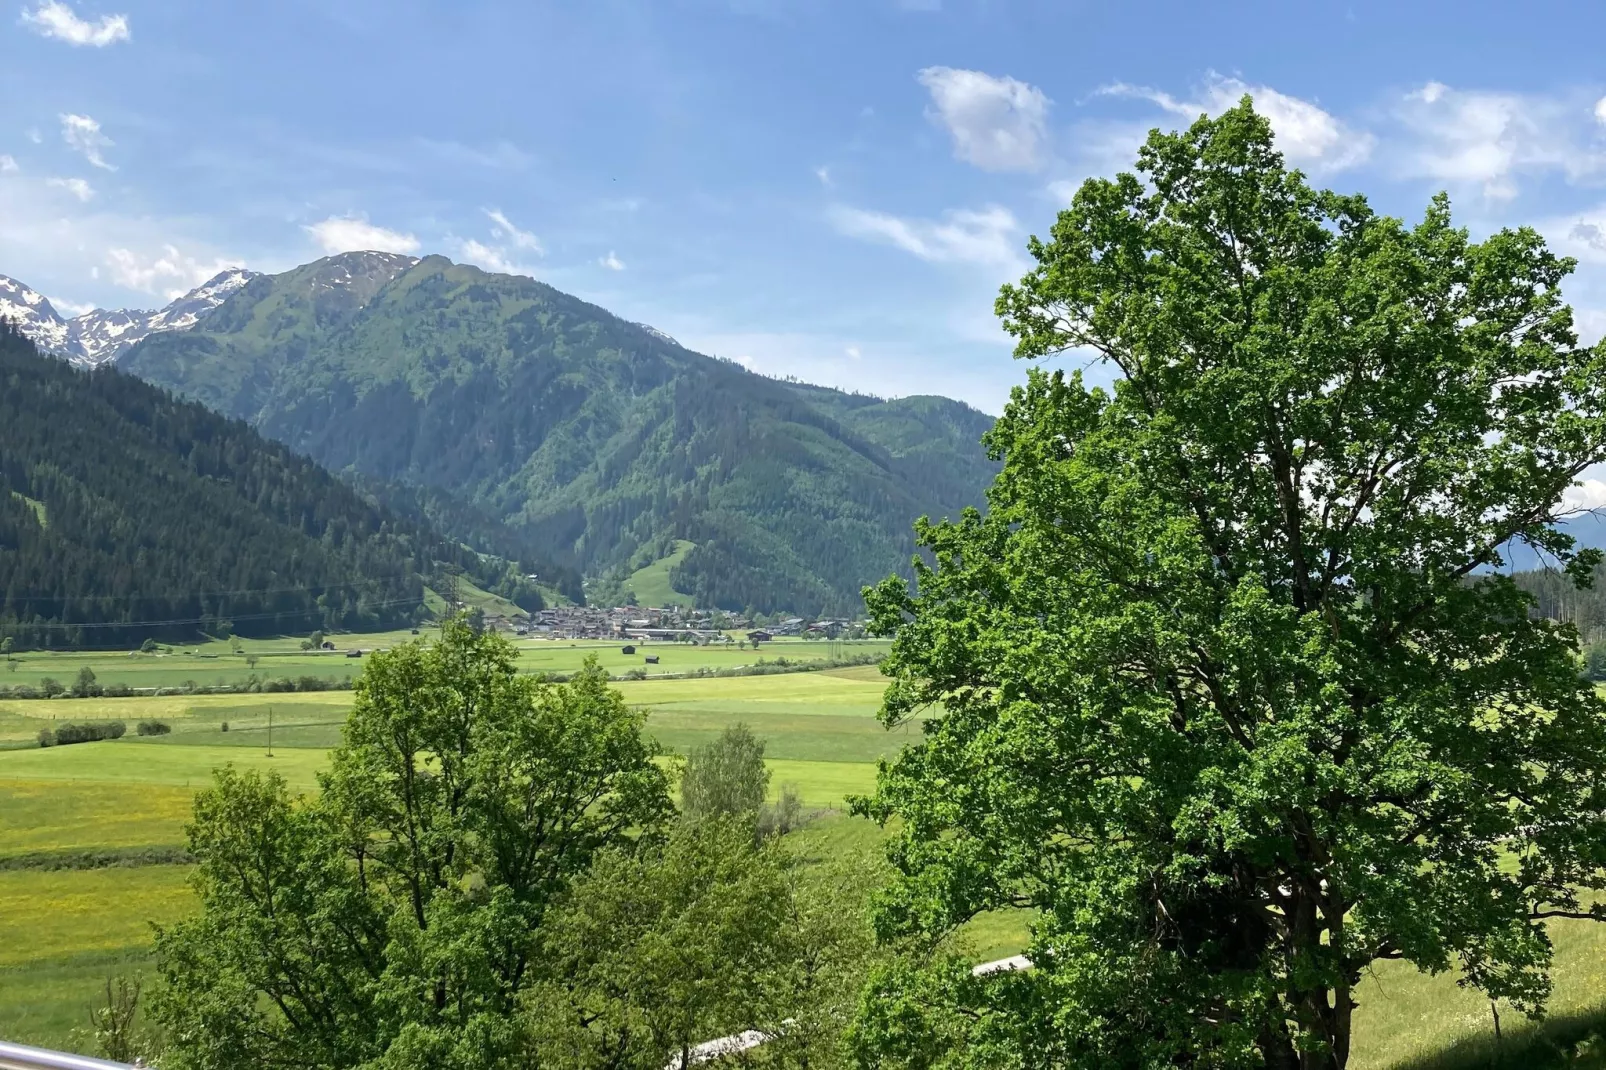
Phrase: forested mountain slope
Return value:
(126, 513)
(597, 437)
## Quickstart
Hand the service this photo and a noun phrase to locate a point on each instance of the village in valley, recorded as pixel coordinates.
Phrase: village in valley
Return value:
(670, 624)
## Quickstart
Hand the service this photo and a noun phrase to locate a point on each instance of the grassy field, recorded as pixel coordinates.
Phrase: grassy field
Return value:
(63, 931)
(215, 662)
(651, 584)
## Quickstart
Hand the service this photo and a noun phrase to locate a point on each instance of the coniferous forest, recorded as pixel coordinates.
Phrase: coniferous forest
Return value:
(126, 514)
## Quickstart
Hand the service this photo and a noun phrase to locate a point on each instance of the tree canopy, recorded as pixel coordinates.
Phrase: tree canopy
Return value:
(394, 919)
(1225, 683)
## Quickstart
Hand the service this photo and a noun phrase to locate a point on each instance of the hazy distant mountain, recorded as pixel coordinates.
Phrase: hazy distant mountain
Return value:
(102, 335)
(602, 439)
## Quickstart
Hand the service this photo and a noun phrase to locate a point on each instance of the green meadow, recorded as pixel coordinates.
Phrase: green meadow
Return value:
(121, 807)
(217, 662)
(63, 930)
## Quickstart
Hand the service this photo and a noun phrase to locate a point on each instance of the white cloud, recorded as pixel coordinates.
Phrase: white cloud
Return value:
(1063, 191)
(76, 186)
(489, 257)
(1491, 139)
(1584, 494)
(55, 19)
(82, 134)
(824, 175)
(504, 230)
(8, 164)
(60, 246)
(501, 253)
(998, 124)
(1600, 110)
(345, 234)
(168, 273)
(1580, 234)
(989, 237)
(71, 308)
(1307, 136)
(611, 262)
(853, 352)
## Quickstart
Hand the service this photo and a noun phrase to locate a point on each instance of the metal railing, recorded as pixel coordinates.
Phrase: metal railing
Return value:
(22, 1057)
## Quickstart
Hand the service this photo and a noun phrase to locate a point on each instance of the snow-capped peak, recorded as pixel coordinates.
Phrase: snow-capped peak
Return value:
(104, 335)
(188, 310)
(32, 313)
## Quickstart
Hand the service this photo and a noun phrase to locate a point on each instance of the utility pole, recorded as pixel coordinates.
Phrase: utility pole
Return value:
(452, 588)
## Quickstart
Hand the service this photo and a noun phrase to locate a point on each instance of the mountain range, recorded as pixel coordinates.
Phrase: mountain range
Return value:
(102, 335)
(127, 514)
(529, 415)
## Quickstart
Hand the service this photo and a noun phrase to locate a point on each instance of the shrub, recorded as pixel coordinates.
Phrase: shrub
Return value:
(50, 687)
(46, 737)
(148, 647)
(152, 728)
(783, 815)
(88, 733)
(225, 726)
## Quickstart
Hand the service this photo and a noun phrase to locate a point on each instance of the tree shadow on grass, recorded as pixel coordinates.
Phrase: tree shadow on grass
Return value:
(1574, 1041)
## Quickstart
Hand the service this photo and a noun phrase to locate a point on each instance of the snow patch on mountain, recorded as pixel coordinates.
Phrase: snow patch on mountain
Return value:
(32, 314)
(103, 335)
(660, 335)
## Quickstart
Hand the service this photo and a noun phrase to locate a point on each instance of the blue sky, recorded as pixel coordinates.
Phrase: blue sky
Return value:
(832, 190)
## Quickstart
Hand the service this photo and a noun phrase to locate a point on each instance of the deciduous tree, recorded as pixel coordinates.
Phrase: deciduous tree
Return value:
(726, 777)
(393, 919)
(1226, 683)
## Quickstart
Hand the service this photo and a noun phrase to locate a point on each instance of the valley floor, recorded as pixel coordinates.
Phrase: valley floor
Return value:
(90, 836)
(215, 662)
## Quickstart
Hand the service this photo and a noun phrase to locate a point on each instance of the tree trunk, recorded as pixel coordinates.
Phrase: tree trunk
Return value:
(1275, 1046)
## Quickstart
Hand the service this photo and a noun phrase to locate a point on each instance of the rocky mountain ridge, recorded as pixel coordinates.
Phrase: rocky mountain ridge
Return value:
(102, 335)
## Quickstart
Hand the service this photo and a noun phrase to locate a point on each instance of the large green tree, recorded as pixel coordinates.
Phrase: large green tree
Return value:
(1226, 683)
(394, 920)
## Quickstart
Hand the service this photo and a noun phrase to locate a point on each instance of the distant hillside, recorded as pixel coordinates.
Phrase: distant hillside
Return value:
(599, 438)
(126, 513)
